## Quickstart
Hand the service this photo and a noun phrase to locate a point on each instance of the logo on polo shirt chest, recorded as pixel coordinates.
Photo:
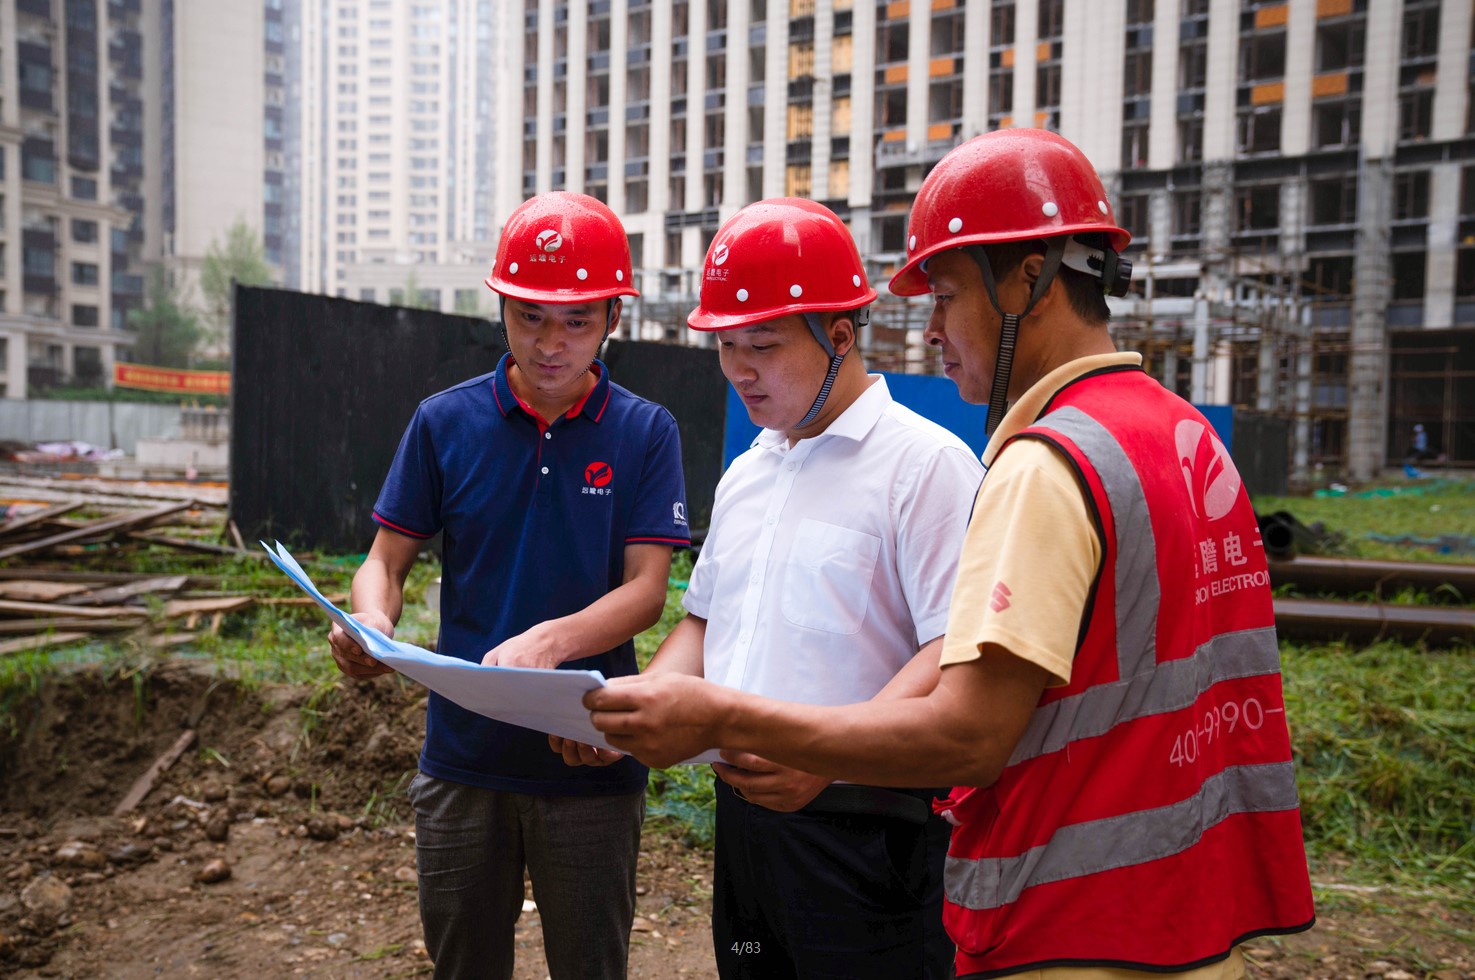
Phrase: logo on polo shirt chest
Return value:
(597, 476)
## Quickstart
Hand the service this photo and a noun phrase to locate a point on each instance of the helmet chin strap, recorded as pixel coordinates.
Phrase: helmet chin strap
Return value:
(817, 327)
(1009, 330)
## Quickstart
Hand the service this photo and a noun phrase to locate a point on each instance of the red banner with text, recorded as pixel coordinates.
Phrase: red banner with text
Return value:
(171, 379)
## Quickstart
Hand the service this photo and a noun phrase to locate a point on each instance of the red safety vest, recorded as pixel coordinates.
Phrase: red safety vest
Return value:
(1148, 818)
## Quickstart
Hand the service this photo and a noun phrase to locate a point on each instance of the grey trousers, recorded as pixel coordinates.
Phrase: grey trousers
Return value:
(471, 846)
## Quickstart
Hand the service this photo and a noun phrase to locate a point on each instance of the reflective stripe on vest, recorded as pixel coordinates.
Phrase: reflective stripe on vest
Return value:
(1133, 838)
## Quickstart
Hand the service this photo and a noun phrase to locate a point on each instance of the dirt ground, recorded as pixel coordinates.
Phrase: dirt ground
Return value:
(287, 797)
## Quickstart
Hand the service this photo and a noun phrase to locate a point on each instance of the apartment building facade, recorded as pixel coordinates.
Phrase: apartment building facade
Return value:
(1309, 157)
(391, 149)
(133, 134)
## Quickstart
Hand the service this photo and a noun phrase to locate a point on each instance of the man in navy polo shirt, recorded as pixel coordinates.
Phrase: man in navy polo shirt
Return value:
(559, 496)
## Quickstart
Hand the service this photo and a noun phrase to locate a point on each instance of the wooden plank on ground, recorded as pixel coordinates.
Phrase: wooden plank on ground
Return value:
(15, 607)
(144, 783)
(32, 591)
(188, 544)
(162, 585)
(40, 516)
(39, 641)
(15, 627)
(161, 641)
(34, 573)
(175, 608)
(108, 524)
(337, 599)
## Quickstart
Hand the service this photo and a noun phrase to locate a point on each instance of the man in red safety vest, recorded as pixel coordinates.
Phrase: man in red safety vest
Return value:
(1110, 709)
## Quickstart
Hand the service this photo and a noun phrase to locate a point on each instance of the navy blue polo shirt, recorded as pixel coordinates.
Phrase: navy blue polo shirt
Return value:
(535, 521)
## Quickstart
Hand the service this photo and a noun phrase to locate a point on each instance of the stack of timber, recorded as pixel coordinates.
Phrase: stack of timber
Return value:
(62, 543)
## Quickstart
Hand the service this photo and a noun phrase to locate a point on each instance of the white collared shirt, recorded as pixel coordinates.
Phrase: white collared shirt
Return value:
(830, 563)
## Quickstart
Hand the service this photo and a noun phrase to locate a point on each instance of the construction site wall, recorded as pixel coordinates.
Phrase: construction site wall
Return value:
(322, 389)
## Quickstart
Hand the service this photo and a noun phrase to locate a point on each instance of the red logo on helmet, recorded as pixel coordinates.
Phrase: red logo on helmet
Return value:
(549, 240)
(598, 474)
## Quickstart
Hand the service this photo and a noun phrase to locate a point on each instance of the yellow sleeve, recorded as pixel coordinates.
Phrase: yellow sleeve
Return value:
(1029, 558)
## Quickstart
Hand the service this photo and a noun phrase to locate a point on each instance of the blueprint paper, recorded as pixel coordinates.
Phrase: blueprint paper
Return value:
(544, 700)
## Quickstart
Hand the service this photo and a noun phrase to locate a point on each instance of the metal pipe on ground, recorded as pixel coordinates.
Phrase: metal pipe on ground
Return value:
(1349, 575)
(1323, 619)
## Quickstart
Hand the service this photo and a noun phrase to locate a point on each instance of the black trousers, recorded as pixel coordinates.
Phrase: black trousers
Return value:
(814, 895)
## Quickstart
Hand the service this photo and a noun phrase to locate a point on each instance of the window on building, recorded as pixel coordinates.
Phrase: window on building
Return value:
(801, 59)
(84, 273)
(1415, 114)
(84, 231)
(84, 316)
(839, 179)
(1330, 275)
(892, 46)
(1190, 139)
(1467, 190)
(1257, 207)
(800, 120)
(1258, 130)
(1133, 213)
(1421, 31)
(1140, 11)
(637, 196)
(1340, 44)
(1187, 213)
(1052, 18)
(1001, 24)
(945, 101)
(891, 108)
(1137, 75)
(947, 33)
(1262, 56)
(798, 180)
(1408, 275)
(1193, 65)
(1410, 195)
(1000, 93)
(1134, 144)
(1465, 273)
(1047, 85)
(1336, 123)
(1333, 201)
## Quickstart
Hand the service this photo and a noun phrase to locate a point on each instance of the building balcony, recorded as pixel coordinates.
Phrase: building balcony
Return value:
(906, 153)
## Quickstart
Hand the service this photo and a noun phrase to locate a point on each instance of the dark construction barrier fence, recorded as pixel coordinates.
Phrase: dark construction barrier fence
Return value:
(322, 389)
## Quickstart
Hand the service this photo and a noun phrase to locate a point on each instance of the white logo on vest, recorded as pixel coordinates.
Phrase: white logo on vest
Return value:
(1213, 482)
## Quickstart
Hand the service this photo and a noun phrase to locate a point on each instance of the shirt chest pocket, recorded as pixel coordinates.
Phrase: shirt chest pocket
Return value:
(827, 579)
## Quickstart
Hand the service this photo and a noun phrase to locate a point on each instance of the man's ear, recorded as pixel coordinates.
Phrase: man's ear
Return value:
(1030, 270)
(615, 306)
(841, 330)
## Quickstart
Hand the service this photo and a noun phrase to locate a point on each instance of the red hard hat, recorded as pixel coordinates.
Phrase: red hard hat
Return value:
(775, 258)
(562, 247)
(1009, 185)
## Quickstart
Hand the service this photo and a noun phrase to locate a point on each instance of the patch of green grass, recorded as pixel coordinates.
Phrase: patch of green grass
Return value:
(1422, 509)
(1384, 740)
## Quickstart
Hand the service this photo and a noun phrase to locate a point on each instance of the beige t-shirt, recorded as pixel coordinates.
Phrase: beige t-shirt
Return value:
(1029, 557)
(1031, 550)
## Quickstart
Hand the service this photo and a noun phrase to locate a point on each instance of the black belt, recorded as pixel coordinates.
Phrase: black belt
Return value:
(911, 806)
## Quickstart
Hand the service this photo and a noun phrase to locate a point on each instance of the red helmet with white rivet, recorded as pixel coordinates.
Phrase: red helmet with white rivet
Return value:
(1009, 185)
(776, 258)
(562, 247)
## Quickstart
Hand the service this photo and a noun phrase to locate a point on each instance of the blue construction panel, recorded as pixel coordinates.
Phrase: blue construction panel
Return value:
(932, 397)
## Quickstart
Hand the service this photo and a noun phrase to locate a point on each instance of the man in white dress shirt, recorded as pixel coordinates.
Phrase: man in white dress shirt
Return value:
(825, 578)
